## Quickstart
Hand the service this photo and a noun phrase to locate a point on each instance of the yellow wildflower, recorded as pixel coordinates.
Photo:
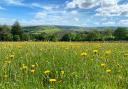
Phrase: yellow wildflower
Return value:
(95, 51)
(52, 80)
(33, 66)
(24, 66)
(103, 65)
(62, 72)
(84, 54)
(47, 71)
(32, 71)
(108, 71)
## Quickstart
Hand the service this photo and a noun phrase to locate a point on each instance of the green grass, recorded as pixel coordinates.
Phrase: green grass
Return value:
(49, 31)
(80, 71)
(41, 29)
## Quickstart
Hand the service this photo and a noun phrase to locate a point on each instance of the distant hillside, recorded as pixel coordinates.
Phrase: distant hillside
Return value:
(60, 29)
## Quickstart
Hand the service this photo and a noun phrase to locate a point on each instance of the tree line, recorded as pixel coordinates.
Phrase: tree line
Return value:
(16, 33)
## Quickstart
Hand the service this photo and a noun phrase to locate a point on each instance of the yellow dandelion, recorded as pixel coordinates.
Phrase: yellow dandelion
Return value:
(62, 72)
(95, 51)
(83, 54)
(47, 71)
(103, 65)
(108, 71)
(24, 66)
(32, 71)
(33, 66)
(52, 80)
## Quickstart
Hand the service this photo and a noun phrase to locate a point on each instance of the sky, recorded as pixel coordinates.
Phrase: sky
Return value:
(85, 13)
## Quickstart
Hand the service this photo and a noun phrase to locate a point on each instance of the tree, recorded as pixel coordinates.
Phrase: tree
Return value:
(16, 38)
(25, 37)
(69, 37)
(42, 36)
(53, 37)
(121, 33)
(94, 36)
(78, 37)
(107, 35)
(5, 34)
(17, 30)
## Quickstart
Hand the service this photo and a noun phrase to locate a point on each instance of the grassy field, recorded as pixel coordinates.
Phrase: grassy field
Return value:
(48, 65)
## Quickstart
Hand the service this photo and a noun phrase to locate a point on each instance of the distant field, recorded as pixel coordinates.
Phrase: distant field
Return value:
(63, 65)
(50, 31)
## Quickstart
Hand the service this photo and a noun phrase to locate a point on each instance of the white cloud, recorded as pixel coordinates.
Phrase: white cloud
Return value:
(76, 19)
(56, 13)
(123, 22)
(40, 15)
(109, 23)
(112, 8)
(71, 5)
(14, 2)
(106, 7)
(74, 12)
(84, 4)
(46, 7)
(108, 3)
(58, 17)
(36, 5)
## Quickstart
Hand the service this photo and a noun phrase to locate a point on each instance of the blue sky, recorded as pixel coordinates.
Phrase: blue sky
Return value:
(87, 13)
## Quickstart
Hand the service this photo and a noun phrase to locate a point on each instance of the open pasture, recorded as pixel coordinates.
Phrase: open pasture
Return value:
(63, 65)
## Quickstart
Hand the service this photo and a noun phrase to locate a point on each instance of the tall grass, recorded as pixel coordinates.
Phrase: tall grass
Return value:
(54, 65)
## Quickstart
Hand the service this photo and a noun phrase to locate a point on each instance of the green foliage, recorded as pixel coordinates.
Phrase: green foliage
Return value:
(121, 33)
(69, 37)
(17, 31)
(93, 36)
(41, 29)
(53, 37)
(26, 37)
(16, 38)
(61, 33)
(42, 36)
(107, 35)
(5, 34)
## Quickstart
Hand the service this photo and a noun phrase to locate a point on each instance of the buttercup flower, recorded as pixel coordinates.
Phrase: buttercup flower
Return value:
(108, 71)
(47, 71)
(62, 72)
(52, 80)
(95, 51)
(84, 54)
(103, 65)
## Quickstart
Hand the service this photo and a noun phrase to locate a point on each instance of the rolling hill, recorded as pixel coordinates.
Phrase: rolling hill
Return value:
(59, 29)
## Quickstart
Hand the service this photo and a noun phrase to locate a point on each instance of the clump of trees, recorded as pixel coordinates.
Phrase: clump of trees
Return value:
(16, 33)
